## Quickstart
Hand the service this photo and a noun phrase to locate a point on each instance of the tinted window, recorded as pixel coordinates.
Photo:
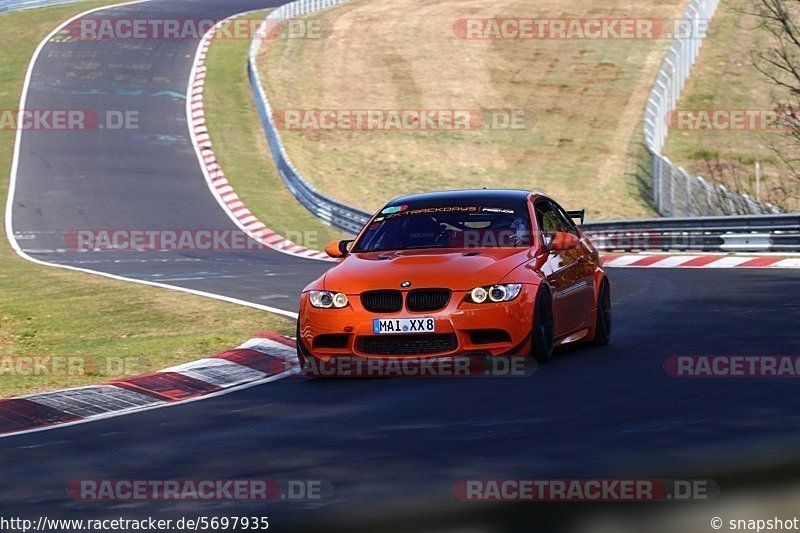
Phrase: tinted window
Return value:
(454, 224)
(551, 220)
(567, 221)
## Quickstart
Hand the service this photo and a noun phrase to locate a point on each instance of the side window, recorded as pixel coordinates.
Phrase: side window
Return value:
(550, 220)
(566, 220)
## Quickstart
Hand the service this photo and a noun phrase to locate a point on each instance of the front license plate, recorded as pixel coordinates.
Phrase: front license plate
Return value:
(403, 325)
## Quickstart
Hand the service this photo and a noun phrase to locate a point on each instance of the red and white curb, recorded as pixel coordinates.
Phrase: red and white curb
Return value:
(219, 185)
(697, 261)
(266, 357)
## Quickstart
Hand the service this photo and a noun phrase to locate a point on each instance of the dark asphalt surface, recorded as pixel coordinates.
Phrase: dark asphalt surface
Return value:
(146, 178)
(592, 412)
(383, 444)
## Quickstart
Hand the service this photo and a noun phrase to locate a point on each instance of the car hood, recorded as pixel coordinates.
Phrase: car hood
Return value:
(453, 269)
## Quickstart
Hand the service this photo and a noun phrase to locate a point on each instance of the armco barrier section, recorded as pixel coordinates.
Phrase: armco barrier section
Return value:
(751, 233)
(332, 212)
(675, 191)
(754, 233)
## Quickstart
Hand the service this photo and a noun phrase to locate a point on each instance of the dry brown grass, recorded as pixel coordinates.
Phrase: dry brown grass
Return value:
(587, 97)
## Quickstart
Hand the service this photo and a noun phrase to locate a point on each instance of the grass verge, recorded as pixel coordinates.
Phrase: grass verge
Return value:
(585, 98)
(116, 328)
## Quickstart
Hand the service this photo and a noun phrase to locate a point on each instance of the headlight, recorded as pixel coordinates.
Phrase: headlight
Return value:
(327, 299)
(478, 295)
(495, 293)
(340, 300)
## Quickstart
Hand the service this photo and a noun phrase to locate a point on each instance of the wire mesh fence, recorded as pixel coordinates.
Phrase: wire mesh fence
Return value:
(676, 192)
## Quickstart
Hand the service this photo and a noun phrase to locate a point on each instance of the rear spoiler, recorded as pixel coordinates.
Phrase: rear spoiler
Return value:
(578, 215)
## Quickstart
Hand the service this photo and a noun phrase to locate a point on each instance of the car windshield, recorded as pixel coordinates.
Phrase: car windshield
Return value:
(496, 224)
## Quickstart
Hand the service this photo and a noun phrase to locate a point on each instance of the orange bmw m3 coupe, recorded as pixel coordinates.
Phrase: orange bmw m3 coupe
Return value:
(451, 273)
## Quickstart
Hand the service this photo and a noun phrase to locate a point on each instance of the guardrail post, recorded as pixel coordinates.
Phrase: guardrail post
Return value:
(656, 169)
(671, 208)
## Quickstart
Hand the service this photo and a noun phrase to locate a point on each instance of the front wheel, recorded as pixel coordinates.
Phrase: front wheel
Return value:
(542, 334)
(602, 327)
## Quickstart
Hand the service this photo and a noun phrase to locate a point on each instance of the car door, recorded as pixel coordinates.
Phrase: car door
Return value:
(569, 272)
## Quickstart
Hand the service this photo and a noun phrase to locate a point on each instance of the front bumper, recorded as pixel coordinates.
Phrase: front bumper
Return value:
(461, 327)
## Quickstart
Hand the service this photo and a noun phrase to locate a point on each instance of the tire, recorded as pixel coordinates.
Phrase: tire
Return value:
(543, 331)
(602, 323)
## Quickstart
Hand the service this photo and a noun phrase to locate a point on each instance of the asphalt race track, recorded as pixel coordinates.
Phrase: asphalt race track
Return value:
(138, 179)
(383, 444)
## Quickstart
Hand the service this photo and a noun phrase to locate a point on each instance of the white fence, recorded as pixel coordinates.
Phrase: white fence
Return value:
(675, 191)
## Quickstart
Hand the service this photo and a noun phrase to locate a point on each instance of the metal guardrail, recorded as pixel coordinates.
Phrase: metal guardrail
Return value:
(744, 223)
(332, 212)
(754, 233)
(765, 233)
(7, 6)
(676, 192)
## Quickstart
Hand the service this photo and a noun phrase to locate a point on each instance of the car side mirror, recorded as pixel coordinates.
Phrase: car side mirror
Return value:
(564, 241)
(539, 260)
(338, 249)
